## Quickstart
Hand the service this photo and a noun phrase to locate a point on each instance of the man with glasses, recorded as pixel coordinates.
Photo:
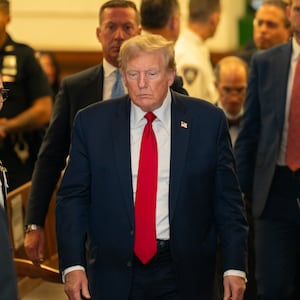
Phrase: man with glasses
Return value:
(231, 81)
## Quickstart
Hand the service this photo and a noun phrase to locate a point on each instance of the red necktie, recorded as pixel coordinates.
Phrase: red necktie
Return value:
(145, 200)
(293, 143)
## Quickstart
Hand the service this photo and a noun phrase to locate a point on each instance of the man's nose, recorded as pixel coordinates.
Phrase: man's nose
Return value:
(142, 80)
(120, 34)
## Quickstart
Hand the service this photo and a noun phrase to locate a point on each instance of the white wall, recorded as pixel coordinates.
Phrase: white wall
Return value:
(70, 24)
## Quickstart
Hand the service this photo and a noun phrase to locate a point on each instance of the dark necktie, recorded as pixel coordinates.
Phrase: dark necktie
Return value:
(117, 89)
(234, 122)
(145, 200)
(293, 142)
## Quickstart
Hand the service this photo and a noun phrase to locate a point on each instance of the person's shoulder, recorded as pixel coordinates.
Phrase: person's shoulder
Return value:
(91, 72)
(105, 107)
(272, 52)
(84, 73)
(13, 45)
(195, 104)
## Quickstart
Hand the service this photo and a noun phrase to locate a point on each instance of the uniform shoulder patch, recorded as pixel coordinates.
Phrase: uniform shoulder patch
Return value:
(190, 74)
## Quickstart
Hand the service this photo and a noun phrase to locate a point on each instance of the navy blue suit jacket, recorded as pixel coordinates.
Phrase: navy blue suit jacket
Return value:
(95, 200)
(76, 92)
(258, 143)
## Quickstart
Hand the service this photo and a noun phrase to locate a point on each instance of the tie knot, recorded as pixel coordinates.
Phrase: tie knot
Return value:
(150, 116)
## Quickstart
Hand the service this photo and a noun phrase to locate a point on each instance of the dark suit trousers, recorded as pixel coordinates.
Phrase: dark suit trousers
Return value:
(277, 240)
(156, 279)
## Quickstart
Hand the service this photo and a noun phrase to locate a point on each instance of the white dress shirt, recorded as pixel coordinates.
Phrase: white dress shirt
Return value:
(162, 129)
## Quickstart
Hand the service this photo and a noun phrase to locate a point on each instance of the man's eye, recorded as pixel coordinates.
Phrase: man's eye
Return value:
(152, 74)
(132, 75)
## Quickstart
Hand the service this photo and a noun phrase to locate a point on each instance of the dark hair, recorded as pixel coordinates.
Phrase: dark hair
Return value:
(200, 10)
(4, 6)
(56, 83)
(116, 4)
(281, 5)
(157, 13)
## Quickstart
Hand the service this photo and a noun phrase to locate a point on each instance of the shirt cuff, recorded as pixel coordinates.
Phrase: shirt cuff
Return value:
(70, 269)
(235, 273)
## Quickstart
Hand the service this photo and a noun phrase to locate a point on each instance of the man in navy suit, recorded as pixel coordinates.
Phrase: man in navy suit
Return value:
(198, 196)
(118, 21)
(265, 177)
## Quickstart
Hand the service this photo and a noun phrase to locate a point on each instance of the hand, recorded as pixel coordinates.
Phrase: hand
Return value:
(76, 285)
(34, 244)
(234, 288)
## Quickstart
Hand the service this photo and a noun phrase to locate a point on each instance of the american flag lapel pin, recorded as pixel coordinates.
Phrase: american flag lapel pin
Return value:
(183, 124)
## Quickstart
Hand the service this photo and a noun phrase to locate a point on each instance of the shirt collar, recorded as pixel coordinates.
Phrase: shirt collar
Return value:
(108, 68)
(163, 113)
(296, 49)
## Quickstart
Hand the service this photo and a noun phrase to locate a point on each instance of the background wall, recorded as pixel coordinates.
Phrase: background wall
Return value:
(70, 24)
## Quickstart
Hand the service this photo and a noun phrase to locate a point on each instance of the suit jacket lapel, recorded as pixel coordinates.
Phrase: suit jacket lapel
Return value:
(121, 138)
(94, 85)
(180, 129)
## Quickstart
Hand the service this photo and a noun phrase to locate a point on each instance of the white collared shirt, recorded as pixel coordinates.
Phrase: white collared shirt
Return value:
(162, 129)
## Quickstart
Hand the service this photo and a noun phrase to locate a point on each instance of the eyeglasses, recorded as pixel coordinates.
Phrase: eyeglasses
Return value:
(4, 94)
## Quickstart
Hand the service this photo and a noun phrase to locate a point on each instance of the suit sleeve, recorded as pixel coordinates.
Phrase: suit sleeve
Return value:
(51, 159)
(73, 203)
(246, 144)
(229, 209)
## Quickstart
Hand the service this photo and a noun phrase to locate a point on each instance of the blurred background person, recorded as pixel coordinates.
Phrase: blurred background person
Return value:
(267, 153)
(118, 21)
(231, 82)
(166, 23)
(8, 278)
(191, 53)
(270, 27)
(51, 68)
(161, 17)
(29, 108)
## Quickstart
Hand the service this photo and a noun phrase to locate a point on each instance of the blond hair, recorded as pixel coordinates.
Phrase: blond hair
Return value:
(148, 43)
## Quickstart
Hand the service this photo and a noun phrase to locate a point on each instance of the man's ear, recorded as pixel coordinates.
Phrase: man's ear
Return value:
(98, 34)
(214, 20)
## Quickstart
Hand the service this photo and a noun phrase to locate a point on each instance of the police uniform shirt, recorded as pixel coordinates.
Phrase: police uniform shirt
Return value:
(194, 65)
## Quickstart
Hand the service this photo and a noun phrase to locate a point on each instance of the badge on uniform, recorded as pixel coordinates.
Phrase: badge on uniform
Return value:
(190, 74)
(9, 65)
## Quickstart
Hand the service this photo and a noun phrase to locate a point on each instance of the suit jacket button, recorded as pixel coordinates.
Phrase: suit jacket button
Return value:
(129, 264)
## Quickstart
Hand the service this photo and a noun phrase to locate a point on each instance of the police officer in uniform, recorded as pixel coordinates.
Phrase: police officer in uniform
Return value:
(191, 53)
(28, 111)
